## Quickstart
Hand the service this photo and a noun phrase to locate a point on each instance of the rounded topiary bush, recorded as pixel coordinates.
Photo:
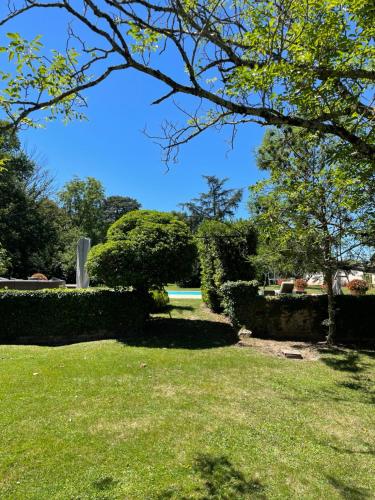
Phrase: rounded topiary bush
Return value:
(145, 249)
(138, 220)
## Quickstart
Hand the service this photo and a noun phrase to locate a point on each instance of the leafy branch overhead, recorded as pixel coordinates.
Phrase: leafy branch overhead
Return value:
(303, 63)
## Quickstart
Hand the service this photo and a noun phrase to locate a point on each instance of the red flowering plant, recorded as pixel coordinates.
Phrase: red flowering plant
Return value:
(358, 286)
(280, 281)
(39, 276)
(300, 284)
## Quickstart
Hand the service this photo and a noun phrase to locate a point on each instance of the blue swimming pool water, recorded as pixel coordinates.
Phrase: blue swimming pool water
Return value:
(178, 292)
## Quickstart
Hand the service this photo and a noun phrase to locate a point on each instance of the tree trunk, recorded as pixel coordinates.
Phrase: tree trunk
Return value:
(331, 307)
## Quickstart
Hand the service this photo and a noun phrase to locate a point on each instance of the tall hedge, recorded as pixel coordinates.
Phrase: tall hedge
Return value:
(224, 249)
(63, 315)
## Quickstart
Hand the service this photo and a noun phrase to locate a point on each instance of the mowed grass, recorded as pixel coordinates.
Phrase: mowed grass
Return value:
(177, 416)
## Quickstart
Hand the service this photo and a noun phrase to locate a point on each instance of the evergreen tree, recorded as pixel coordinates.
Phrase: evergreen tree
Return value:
(218, 203)
(116, 206)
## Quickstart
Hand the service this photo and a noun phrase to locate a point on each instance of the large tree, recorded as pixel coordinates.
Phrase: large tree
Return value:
(217, 203)
(310, 210)
(303, 63)
(30, 226)
(83, 202)
(115, 207)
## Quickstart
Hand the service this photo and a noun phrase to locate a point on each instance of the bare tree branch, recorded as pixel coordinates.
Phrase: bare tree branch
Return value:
(211, 39)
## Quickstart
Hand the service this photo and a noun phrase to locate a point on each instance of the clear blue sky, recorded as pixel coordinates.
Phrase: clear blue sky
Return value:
(112, 147)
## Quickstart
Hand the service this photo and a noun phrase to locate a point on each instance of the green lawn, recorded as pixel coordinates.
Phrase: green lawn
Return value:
(183, 414)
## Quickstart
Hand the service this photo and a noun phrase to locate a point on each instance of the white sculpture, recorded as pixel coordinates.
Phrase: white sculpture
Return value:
(83, 248)
(337, 284)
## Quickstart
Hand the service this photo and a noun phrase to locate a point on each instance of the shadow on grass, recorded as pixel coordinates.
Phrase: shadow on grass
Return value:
(158, 332)
(105, 483)
(354, 364)
(218, 480)
(184, 334)
(368, 451)
(348, 492)
(364, 385)
(179, 308)
(343, 360)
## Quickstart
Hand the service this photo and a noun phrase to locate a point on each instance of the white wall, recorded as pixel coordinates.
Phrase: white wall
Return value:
(345, 276)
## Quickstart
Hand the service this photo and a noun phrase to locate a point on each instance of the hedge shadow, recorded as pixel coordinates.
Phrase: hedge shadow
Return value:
(183, 334)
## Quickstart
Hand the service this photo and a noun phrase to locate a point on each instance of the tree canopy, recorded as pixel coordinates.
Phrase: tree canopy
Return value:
(29, 222)
(116, 206)
(311, 213)
(218, 203)
(302, 63)
(83, 202)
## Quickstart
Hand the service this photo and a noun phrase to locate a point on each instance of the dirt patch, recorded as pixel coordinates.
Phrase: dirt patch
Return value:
(309, 351)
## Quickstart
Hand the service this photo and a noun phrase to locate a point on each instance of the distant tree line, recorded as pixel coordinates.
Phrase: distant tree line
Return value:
(39, 227)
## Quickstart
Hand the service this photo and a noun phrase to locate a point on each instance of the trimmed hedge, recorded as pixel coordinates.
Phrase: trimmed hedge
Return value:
(299, 317)
(236, 296)
(224, 249)
(62, 315)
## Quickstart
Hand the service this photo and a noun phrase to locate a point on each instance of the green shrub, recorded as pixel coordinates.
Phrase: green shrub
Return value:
(115, 263)
(63, 315)
(299, 317)
(145, 250)
(236, 295)
(224, 251)
(160, 300)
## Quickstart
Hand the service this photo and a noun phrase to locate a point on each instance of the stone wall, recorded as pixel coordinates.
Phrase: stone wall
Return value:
(303, 317)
